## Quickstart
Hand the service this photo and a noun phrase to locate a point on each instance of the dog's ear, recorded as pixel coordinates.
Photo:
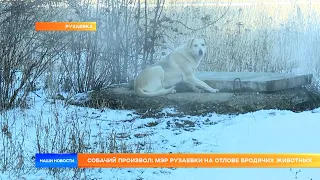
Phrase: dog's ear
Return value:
(189, 42)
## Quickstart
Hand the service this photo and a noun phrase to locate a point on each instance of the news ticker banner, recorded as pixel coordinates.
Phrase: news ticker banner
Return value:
(80, 160)
(65, 26)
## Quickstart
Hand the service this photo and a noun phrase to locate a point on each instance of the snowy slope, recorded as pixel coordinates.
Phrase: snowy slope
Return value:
(268, 131)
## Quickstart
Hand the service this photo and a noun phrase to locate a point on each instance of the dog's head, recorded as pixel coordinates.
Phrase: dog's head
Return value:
(197, 47)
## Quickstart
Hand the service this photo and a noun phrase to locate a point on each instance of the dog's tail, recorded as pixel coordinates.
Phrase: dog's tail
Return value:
(160, 92)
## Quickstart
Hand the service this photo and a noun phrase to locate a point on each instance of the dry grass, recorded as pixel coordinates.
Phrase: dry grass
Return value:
(56, 127)
(257, 38)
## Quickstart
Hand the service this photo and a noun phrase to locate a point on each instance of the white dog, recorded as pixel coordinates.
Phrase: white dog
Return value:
(179, 66)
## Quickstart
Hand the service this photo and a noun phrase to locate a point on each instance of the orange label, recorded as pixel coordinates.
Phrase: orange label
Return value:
(198, 160)
(65, 26)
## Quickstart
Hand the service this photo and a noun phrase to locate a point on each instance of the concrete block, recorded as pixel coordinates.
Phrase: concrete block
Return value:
(253, 82)
(248, 81)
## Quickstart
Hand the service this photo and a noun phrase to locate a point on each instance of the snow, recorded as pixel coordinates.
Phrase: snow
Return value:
(265, 131)
(80, 98)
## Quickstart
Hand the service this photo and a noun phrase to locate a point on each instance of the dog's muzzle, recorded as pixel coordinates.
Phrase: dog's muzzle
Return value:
(200, 52)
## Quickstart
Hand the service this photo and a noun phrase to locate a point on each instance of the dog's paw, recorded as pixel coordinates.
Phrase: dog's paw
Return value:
(215, 90)
(173, 90)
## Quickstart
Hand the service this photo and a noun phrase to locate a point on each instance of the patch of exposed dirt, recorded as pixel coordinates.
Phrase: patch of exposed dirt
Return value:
(191, 103)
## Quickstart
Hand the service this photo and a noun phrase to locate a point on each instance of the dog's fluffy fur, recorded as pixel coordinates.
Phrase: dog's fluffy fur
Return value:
(179, 66)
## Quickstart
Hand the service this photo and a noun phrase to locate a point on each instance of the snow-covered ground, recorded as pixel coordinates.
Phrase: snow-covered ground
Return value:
(57, 127)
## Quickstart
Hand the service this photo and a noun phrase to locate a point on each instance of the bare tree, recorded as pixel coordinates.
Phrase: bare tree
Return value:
(24, 53)
(128, 35)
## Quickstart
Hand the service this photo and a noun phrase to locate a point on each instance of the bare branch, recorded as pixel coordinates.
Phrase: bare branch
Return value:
(203, 27)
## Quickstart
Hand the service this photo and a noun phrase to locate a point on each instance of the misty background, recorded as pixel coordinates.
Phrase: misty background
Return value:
(248, 36)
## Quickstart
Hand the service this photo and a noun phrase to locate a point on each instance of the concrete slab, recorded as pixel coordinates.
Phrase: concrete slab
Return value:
(253, 82)
(184, 96)
(190, 103)
(248, 81)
